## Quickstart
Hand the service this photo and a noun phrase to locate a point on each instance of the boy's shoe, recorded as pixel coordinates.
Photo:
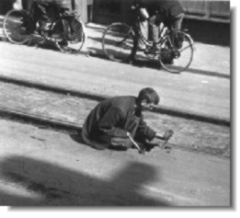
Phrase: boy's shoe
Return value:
(150, 146)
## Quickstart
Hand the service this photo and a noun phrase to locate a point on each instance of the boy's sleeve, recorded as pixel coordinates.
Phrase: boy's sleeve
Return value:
(145, 131)
(109, 122)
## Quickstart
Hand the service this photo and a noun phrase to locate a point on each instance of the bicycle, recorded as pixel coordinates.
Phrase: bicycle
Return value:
(20, 26)
(120, 43)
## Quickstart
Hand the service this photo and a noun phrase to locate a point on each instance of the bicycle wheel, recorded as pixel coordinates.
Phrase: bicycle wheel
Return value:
(73, 44)
(17, 26)
(176, 54)
(118, 41)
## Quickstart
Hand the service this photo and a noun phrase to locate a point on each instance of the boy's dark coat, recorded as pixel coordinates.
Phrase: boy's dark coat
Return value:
(114, 117)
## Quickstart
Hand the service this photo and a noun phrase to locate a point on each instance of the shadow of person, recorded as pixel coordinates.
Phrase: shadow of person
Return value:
(43, 183)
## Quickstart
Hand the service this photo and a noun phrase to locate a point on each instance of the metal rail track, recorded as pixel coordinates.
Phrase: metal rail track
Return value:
(72, 128)
(98, 97)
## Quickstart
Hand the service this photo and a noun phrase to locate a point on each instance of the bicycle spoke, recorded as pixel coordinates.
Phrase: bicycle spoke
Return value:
(15, 29)
(118, 42)
(73, 45)
(176, 56)
(185, 48)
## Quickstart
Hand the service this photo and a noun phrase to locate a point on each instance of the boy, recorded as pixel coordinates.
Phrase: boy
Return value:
(113, 120)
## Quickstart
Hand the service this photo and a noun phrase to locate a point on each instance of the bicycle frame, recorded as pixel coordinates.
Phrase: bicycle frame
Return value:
(162, 36)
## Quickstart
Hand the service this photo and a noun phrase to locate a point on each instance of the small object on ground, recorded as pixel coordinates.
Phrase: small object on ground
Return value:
(167, 136)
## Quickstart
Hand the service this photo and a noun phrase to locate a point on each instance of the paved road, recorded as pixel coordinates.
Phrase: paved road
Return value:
(43, 167)
(201, 94)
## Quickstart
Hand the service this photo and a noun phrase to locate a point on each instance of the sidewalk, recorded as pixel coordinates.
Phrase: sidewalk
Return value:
(209, 60)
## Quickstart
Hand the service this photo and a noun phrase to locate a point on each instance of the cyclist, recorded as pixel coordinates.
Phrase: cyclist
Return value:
(168, 12)
(56, 5)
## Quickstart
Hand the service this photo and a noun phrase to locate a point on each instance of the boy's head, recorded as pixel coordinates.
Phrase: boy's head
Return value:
(147, 97)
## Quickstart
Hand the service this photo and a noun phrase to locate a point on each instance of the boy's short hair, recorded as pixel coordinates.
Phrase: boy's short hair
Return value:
(148, 94)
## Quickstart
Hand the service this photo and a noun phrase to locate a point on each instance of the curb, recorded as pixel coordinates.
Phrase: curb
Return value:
(98, 97)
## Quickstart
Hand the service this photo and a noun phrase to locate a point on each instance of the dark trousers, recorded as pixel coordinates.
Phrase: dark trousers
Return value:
(43, 6)
(155, 21)
(42, 12)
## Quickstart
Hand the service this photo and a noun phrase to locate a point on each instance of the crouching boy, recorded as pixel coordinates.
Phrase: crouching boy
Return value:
(113, 120)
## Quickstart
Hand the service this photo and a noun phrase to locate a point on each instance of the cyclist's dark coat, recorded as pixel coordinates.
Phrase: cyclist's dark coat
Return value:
(167, 9)
(58, 3)
(111, 118)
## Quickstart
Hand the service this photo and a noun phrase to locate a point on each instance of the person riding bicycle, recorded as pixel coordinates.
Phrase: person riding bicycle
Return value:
(168, 12)
(43, 5)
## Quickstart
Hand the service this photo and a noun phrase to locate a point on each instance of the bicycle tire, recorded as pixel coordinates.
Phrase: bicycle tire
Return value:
(179, 58)
(18, 26)
(118, 42)
(68, 46)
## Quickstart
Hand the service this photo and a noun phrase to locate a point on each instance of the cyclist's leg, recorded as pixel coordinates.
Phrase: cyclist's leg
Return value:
(177, 25)
(177, 21)
(40, 14)
(153, 28)
(154, 23)
(143, 27)
(136, 40)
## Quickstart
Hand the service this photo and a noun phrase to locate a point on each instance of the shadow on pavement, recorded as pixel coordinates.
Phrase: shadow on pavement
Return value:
(203, 38)
(98, 29)
(35, 41)
(46, 184)
(2, 37)
(154, 64)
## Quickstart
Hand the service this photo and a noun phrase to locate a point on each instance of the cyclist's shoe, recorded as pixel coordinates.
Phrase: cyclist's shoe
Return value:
(154, 50)
(44, 28)
(166, 56)
(178, 40)
(64, 46)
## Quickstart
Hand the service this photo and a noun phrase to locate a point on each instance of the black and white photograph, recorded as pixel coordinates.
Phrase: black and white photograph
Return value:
(121, 104)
